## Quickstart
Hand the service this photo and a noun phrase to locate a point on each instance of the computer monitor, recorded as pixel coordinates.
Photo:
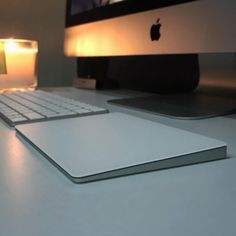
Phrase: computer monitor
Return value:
(171, 30)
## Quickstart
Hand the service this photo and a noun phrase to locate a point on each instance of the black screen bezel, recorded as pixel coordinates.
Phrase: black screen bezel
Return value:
(115, 10)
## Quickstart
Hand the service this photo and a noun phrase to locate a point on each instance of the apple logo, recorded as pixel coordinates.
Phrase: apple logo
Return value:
(155, 30)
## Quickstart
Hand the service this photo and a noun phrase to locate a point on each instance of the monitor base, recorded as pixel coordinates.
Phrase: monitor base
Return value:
(194, 105)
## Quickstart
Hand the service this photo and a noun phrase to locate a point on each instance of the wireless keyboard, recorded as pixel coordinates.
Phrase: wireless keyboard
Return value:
(26, 107)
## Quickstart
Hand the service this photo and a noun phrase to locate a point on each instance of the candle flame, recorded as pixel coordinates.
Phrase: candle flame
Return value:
(12, 46)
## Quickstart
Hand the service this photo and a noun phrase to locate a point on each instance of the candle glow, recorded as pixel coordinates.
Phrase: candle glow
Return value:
(18, 58)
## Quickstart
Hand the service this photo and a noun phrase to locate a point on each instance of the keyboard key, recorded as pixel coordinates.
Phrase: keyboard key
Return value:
(31, 106)
(18, 119)
(33, 116)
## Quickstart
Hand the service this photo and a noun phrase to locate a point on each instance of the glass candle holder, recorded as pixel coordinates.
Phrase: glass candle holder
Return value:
(18, 64)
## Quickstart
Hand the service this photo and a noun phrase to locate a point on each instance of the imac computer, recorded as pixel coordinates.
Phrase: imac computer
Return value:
(150, 45)
(182, 51)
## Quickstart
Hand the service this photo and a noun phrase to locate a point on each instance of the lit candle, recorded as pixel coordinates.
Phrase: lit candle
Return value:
(18, 64)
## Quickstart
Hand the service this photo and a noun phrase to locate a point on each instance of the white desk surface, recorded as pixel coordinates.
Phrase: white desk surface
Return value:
(37, 199)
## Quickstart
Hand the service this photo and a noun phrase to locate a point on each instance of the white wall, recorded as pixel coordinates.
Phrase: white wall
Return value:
(42, 21)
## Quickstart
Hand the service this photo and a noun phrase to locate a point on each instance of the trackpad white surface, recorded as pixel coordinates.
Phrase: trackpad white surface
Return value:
(115, 144)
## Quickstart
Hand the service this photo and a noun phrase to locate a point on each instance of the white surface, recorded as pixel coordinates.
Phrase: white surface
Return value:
(96, 144)
(36, 199)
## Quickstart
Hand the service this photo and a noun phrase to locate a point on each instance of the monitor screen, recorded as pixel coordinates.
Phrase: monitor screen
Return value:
(166, 30)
